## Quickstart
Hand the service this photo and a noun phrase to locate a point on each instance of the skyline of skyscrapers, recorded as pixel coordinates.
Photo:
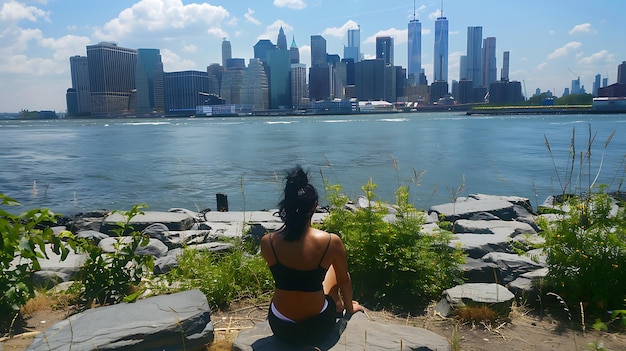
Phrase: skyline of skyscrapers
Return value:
(384, 49)
(353, 50)
(473, 68)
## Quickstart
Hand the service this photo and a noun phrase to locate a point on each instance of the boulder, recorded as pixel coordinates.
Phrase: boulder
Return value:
(467, 207)
(53, 270)
(173, 221)
(494, 296)
(154, 247)
(358, 334)
(174, 322)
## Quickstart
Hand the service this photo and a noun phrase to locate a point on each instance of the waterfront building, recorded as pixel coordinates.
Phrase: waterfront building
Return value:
(295, 52)
(505, 93)
(79, 69)
(414, 50)
(369, 79)
(255, 88)
(441, 48)
(111, 78)
(504, 74)
(318, 51)
(149, 81)
(474, 55)
(353, 50)
(464, 68)
(340, 80)
(184, 91)
(384, 49)
(281, 42)
(235, 63)
(438, 90)
(279, 63)
(490, 69)
(605, 82)
(227, 52)
(390, 84)
(349, 70)
(298, 85)
(621, 73)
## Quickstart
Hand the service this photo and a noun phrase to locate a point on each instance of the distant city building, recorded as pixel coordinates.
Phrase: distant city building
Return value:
(281, 42)
(441, 49)
(295, 52)
(438, 90)
(232, 83)
(279, 62)
(390, 79)
(215, 72)
(227, 52)
(464, 73)
(576, 86)
(490, 69)
(505, 93)
(621, 73)
(320, 81)
(384, 49)
(605, 82)
(370, 80)
(340, 79)
(255, 89)
(261, 48)
(111, 78)
(318, 51)
(79, 69)
(353, 50)
(184, 91)
(504, 75)
(71, 102)
(414, 50)
(596, 84)
(298, 85)
(235, 63)
(149, 81)
(474, 55)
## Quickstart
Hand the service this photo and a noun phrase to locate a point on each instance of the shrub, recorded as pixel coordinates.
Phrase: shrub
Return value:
(23, 241)
(392, 262)
(586, 253)
(109, 278)
(222, 276)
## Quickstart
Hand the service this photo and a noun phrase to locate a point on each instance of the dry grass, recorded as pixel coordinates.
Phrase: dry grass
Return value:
(476, 314)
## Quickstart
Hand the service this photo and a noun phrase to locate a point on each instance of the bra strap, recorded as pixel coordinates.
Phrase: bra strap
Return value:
(324, 255)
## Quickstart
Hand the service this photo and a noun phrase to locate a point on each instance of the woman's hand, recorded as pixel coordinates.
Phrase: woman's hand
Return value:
(356, 307)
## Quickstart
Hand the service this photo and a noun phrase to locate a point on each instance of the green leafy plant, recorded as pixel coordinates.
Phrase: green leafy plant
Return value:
(111, 277)
(23, 241)
(391, 261)
(223, 276)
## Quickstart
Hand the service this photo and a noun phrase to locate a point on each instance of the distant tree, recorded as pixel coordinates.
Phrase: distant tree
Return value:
(575, 99)
(537, 99)
(26, 114)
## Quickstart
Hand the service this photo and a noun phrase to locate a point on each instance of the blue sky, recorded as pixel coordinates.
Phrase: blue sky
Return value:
(551, 42)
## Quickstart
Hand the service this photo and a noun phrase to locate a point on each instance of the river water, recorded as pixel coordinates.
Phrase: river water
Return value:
(74, 166)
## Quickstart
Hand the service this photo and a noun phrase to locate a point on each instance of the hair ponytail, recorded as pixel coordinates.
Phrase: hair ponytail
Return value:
(299, 200)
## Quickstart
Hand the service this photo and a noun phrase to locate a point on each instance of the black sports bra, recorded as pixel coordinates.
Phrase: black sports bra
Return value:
(286, 278)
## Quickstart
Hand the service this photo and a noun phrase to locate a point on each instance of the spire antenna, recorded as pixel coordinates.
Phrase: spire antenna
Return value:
(441, 8)
(414, 9)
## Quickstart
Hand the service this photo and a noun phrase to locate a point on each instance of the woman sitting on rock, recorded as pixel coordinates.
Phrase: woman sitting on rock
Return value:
(310, 269)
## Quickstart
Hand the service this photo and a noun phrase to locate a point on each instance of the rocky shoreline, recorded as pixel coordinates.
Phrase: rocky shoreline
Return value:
(485, 226)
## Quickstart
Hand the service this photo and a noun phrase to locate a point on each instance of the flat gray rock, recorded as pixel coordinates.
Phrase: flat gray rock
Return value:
(359, 334)
(174, 322)
(495, 296)
(173, 221)
(467, 207)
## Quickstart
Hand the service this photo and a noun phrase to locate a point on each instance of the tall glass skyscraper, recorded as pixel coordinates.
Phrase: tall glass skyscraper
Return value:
(111, 78)
(149, 81)
(441, 49)
(318, 51)
(414, 51)
(490, 70)
(353, 50)
(474, 55)
(79, 69)
(281, 42)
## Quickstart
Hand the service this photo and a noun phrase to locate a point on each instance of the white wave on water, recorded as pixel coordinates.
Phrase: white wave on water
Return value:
(393, 119)
(279, 122)
(145, 123)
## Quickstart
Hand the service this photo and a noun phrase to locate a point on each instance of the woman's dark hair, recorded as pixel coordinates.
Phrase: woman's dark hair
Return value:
(298, 203)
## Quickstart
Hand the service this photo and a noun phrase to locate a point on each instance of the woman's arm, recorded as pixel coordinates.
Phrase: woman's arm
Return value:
(344, 282)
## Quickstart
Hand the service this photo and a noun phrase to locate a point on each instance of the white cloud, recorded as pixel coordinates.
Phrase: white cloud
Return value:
(65, 46)
(581, 28)
(190, 48)
(399, 36)
(173, 62)
(148, 17)
(434, 15)
(13, 11)
(340, 32)
(271, 31)
(565, 50)
(248, 16)
(598, 56)
(541, 65)
(292, 4)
